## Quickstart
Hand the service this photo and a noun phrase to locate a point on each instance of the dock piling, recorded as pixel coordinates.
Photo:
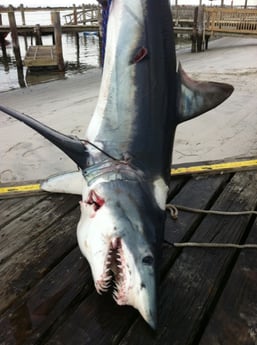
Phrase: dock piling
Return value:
(56, 21)
(22, 14)
(16, 47)
(38, 37)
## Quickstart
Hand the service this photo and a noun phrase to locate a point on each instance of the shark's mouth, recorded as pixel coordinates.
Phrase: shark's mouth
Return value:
(114, 275)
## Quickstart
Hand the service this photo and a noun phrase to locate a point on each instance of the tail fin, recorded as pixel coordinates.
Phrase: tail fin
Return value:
(73, 147)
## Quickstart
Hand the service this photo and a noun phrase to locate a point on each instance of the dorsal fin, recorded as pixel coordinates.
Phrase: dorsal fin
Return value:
(72, 146)
(197, 97)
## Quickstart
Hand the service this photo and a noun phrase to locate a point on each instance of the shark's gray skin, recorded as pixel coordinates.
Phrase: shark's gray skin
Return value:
(126, 157)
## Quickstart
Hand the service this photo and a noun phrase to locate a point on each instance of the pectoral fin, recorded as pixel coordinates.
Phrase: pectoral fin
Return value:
(198, 97)
(70, 183)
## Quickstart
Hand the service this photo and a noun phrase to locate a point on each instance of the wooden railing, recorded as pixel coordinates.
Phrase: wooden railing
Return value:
(89, 14)
(229, 20)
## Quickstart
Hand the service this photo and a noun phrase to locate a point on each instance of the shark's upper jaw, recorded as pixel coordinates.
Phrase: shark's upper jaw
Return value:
(114, 272)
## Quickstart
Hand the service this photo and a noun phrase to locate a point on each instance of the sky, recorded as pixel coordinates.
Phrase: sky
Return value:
(79, 2)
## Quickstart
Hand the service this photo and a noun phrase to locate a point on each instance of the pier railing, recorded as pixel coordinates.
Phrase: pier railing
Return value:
(89, 14)
(230, 21)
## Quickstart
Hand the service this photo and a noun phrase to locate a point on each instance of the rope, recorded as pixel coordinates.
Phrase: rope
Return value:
(173, 209)
(214, 245)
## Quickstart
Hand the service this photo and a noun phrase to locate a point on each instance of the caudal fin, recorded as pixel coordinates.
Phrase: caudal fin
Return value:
(198, 97)
(72, 146)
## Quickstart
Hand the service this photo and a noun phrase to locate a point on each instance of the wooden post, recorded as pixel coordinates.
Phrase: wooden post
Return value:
(37, 32)
(78, 49)
(58, 39)
(75, 22)
(200, 28)
(245, 3)
(22, 14)
(84, 13)
(16, 47)
(2, 43)
(194, 32)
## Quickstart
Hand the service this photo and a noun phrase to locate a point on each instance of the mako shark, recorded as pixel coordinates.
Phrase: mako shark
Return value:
(124, 161)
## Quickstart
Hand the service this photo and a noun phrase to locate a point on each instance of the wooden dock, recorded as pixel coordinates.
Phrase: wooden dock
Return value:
(217, 20)
(207, 295)
(38, 56)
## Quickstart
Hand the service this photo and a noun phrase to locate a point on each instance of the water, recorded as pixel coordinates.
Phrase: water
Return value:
(78, 58)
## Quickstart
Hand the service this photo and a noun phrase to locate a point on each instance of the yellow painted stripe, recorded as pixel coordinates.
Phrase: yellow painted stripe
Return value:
(174, 171)
(19, 189)
(214, 167)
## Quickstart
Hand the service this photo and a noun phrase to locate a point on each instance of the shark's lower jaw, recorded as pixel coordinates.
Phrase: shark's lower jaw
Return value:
(114, 273)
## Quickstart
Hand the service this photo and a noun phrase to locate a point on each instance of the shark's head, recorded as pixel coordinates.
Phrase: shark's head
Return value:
(119, 233)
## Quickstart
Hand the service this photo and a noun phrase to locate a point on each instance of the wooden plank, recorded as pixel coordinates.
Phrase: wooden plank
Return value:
(13, 208)
(38, 310)
(10, 319)
(234, 320)
(48, 245)
(30, 224)
(41, 56)
(35, 259)
(199, 193)
(192, 283)
(98, 320)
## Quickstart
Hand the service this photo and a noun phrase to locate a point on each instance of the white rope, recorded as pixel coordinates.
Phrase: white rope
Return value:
(173, 209)
(214, 245)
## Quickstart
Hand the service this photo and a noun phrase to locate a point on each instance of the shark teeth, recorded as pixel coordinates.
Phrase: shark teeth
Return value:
(114, 273)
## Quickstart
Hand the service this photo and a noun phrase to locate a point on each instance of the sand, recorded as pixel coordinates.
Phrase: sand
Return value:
(228, 131)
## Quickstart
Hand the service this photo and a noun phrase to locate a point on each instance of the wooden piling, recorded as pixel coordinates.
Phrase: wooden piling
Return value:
(38, 37)
(198, 34)
(2, 42)
(22, 14)
(84, 13)
(194, 31)
(55, 16)
(75, 14)
(200, 29)
(16, 47)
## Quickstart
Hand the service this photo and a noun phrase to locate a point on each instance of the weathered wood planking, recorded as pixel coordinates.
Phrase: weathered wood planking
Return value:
(37, 56)
(40, 255)
(29, 225)
(235, 317)
(191, 286)
(22, 270)
(106, 325)
(11, 209)
(57, 303)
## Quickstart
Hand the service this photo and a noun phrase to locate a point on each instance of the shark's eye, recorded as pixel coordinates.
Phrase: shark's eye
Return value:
(95, 200)
(148, 260)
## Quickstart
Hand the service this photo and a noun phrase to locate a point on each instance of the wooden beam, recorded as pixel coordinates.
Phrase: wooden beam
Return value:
(58, 39)
(16, 47)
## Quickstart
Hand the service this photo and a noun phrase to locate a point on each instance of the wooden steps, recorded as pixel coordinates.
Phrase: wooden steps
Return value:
(41, 56)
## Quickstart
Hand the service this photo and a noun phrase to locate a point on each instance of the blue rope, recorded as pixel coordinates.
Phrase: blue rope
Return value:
(105, 17)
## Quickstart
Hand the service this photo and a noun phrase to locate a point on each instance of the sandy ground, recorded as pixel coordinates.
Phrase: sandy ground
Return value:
(67, 105)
